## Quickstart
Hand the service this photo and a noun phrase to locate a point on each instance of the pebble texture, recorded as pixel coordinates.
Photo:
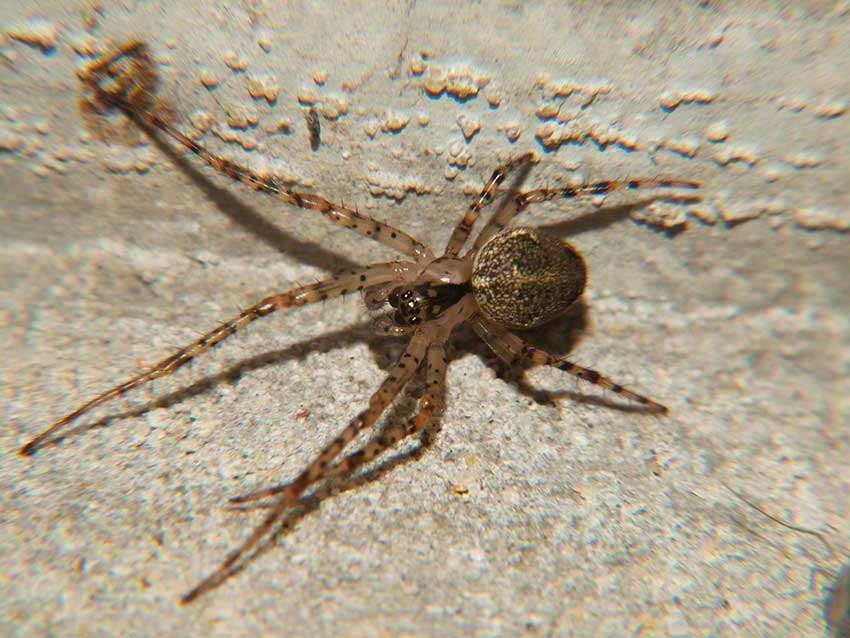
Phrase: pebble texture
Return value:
(541, 509)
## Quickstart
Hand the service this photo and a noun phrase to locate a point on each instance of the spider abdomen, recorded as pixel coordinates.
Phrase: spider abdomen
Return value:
(523, 277)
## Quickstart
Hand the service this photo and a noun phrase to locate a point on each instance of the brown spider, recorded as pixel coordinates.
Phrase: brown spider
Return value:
(509, 278)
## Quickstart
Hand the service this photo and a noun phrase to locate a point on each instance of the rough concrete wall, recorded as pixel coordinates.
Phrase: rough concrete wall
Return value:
(543, 508)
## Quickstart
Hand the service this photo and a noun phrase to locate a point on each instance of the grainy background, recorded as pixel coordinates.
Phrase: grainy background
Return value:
(579, 519)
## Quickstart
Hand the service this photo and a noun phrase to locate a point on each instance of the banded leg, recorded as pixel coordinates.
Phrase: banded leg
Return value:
(511, 348)
(430, 406)
(319, 468)
(125, 96)
(465, 225)
(352, 281)
(522, 200)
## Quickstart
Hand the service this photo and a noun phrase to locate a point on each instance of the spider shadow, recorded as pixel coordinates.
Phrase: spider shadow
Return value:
(606, 216)
(245, 216)
(311, 502)
(350, 335)
(557, 337)
(385, 353)
(561, 335)
(402, 409)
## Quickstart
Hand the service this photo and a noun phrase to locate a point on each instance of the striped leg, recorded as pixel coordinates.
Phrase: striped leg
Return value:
(321, 466)
(464, 227)
(114, 83)
(352, 281)
(522, 200)
(511, 348)
(430, 406)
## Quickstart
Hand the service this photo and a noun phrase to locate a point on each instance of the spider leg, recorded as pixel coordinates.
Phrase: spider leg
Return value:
(510, 348)
(128, 97)
(430, 406)
(465, 225)
(521, 201)
(352, 281)
(319, 468)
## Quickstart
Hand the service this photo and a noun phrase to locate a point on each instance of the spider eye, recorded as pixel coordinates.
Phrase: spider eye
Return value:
(393, 299)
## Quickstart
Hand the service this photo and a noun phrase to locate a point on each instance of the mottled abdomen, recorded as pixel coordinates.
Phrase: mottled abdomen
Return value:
(523, 277)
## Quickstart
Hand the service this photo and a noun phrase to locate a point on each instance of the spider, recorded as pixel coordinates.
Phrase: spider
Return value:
(510, 278)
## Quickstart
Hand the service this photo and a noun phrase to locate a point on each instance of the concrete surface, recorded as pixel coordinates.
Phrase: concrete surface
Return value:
(542, 509)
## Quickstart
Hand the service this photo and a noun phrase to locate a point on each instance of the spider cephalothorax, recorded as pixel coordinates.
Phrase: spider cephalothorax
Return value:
(521, 278)
(508, 278)
(425, 302)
